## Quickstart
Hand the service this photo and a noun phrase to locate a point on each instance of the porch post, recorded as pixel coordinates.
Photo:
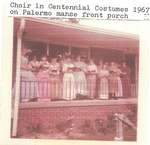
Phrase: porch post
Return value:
(17, 86)
(119, 127)
(47, 49)
(70, 49)
(89, 53)
(136, 74)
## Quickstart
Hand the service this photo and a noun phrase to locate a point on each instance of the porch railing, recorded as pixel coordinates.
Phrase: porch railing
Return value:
(54, 91)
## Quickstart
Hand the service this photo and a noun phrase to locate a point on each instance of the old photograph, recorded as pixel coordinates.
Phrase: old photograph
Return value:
(73, 80)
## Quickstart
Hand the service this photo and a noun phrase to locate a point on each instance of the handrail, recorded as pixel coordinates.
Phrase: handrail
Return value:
(120, 119)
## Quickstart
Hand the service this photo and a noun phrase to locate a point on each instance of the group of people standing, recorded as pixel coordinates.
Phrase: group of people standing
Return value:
(70, 78)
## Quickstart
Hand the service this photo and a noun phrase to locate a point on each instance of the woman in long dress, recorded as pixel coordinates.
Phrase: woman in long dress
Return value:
(103, 89)
(28, 79)
(69, 92)
(43, 81)
(120, 88)
(55, 83)
(80, 78)
(91, 72)
(115, 84)
(126, 81)
(35, 64)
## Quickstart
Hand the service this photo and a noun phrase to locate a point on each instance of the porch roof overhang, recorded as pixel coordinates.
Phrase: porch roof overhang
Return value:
(76, 35)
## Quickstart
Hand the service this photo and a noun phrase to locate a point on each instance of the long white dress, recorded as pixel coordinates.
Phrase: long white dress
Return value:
(120, 89)
(80, 78)
(69, 91)
(28, 89)
(103, 90)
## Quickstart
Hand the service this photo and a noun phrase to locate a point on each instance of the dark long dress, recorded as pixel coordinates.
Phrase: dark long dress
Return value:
(91, 80)
(126, 81)
(55, 83)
